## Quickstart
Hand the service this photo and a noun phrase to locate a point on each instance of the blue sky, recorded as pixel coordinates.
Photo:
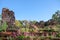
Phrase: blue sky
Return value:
(31, 9)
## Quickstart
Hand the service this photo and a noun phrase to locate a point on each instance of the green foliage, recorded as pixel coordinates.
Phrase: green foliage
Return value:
(0, 28)
(0, 16)
(58, 26)
(20, 37)
(28, 36)
(58, 35)
(18, 23)
(11, 38)
(56, 16)
(33, 22)
(3, 27)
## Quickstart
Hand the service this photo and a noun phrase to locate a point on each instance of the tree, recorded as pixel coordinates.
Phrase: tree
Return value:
(41, 24)
(33, 22)
(46, 23)
(52, 22)
(26, 23)
(56, 16)
(18, 23)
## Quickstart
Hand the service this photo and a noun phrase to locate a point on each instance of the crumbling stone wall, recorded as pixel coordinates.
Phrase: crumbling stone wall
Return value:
(8, 17)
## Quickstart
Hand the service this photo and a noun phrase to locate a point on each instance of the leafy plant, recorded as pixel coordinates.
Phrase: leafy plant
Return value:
(4, 26)
(20, 37)
(28, 36)
(58, 35)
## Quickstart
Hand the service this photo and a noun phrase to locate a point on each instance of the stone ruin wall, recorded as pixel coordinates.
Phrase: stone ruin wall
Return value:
(8, 17)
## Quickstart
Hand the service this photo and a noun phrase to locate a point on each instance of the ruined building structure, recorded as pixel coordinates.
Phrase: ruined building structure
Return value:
(8, 17)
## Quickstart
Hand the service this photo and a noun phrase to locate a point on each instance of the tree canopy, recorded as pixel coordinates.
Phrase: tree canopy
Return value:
(56, 16)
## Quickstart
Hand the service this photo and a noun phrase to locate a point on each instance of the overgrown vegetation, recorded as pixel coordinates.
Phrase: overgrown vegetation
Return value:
(34, 29)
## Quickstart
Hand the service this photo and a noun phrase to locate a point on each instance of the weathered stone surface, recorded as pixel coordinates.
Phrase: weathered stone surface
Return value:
(8, 16)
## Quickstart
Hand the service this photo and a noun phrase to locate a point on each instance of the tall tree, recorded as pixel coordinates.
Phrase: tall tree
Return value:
(56, 16)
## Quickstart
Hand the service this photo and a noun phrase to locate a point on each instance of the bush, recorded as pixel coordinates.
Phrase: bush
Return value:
(11, 38)
(20, 37)
(28, 36)
(0, 30)
(58, 35)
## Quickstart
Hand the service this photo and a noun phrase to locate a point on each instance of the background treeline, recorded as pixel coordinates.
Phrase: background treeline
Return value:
(53, 21)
